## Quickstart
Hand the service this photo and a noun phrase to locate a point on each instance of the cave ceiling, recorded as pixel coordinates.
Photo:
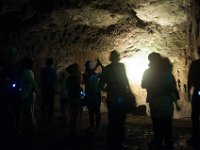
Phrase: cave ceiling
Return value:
(78, 30)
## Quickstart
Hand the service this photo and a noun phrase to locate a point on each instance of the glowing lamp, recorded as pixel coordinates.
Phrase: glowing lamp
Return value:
(135, 67)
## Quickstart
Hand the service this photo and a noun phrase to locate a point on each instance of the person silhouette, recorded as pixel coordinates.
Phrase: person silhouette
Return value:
(93, 93)
(160, 84)
(115, 81)
(194, 81)
(74, 94)
(48, 82)
(64, 100)
(28, 90)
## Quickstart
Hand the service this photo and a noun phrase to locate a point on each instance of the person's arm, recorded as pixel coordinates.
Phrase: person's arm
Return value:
(84, 77)
(190, 80)
(31, 81)
(100, 64)
(97, 65)
(176, 94)
(126, 78)
(173, 89)
(102, 82)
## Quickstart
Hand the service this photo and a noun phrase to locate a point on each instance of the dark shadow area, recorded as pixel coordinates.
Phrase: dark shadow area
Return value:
(55, 136)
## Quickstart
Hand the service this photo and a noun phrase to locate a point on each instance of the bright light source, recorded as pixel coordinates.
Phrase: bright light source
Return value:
(135, 67)
(13, 85)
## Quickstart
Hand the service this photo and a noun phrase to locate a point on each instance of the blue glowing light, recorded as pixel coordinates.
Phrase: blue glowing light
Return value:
(82, 93)
(13, 85)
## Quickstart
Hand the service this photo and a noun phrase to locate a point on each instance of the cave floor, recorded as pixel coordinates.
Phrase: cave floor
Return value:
(55, 135)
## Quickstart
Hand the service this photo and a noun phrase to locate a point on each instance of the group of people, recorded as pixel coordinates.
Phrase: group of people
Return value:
(158, 80)
(71, 93)
(18, 95)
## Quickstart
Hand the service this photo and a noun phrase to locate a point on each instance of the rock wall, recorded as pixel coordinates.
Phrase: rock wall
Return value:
(77, 30)
(193, 28)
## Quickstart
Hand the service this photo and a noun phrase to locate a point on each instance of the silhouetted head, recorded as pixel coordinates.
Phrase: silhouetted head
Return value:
(73, 69)
(154, 59)
(114, 56)
(49, 62)
(27, 63)
(88, 66)
(62, 74)
(69, 68)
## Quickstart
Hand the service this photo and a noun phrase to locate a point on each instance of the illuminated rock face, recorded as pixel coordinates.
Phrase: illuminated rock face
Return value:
(80, 30)
(193, 37)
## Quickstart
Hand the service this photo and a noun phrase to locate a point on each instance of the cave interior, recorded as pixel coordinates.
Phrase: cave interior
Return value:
(72, 31)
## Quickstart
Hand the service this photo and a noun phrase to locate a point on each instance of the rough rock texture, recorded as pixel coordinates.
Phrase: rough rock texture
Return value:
(193, 28)
(77, 30)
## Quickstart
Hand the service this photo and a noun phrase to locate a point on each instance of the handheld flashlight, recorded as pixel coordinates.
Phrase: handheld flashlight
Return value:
(13, 85)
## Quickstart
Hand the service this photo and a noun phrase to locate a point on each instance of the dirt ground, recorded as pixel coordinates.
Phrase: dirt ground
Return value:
(55, 135)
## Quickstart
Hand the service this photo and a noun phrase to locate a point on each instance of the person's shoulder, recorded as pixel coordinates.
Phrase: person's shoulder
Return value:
(70, 78)
(107, 67)
(148, 70)
(106, 70)
(28, 72)
(196, 62)
(50, 70)
(121, 64)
